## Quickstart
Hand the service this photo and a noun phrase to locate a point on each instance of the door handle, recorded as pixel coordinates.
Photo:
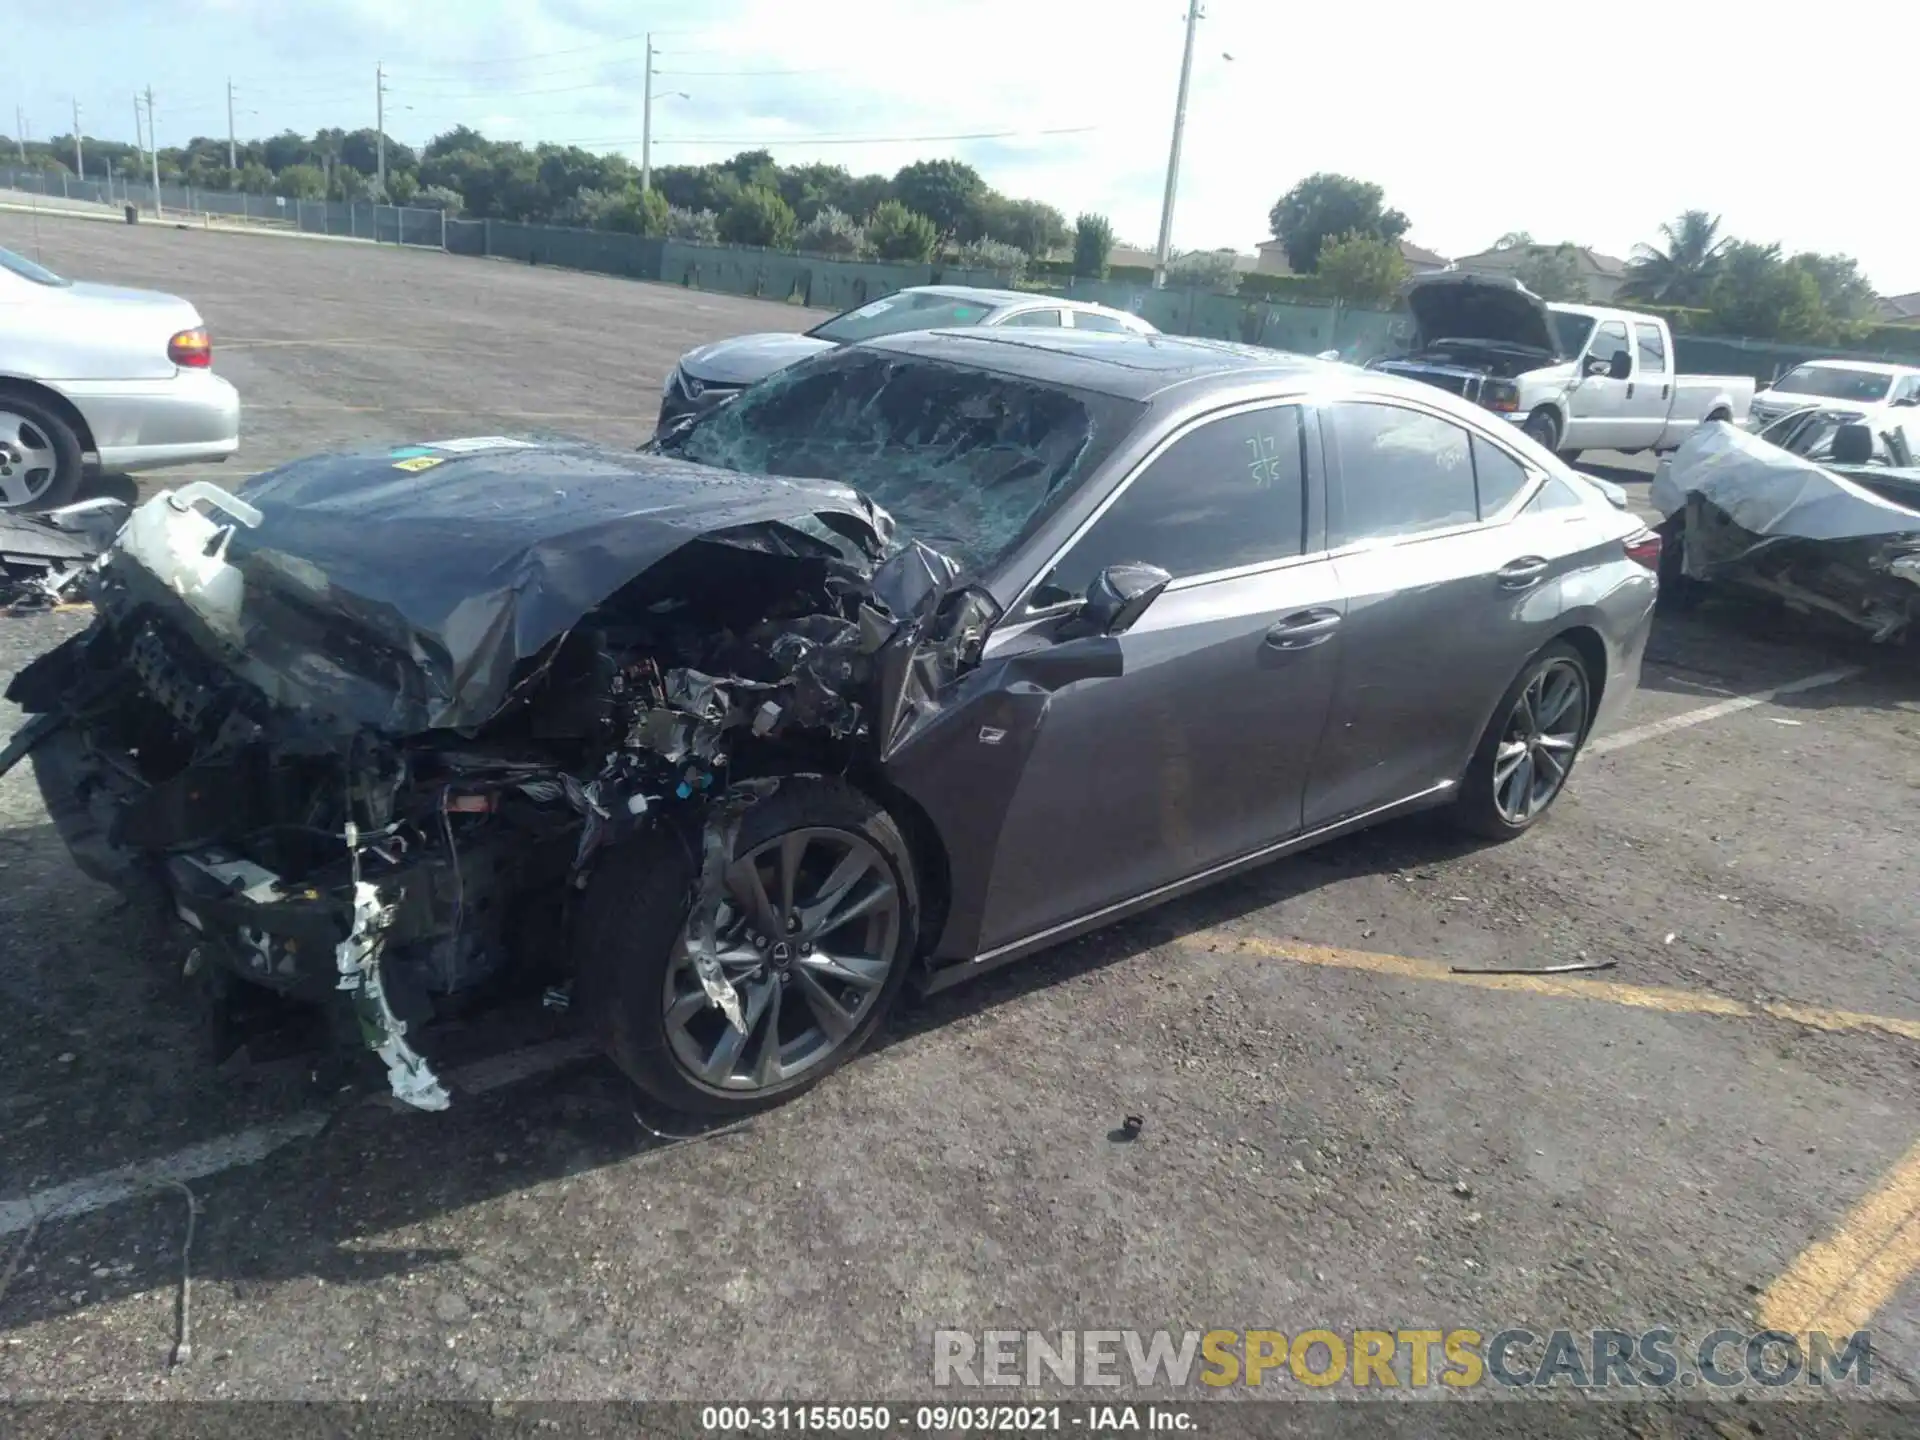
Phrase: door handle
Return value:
(1664, 389)
(1521, 574)
(1301, 631)
(1629, 389)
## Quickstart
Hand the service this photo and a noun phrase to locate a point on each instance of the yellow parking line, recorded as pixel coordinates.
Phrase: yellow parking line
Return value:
(1839, 1284)
(1663, 998)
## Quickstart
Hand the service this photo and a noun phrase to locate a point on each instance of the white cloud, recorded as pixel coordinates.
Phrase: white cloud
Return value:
(1568, 124)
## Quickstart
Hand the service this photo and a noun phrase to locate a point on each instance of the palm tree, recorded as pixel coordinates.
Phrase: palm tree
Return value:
(1681, 273)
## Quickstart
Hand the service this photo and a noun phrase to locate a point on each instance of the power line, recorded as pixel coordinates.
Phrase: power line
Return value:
(798, 141)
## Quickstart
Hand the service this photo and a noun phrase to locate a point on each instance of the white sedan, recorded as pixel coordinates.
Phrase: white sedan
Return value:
(95, 377)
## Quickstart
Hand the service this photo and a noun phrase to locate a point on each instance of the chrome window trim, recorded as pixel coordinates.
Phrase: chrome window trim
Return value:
(1166, 442)
(1536, 477)
(1315, 402)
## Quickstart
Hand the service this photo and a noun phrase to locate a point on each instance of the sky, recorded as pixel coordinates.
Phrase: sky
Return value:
(1576, 123)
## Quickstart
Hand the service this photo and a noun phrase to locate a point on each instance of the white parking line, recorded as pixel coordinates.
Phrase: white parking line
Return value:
(248, 1147)
(1653, 729)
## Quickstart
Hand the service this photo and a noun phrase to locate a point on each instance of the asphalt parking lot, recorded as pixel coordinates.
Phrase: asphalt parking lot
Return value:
(1339, 1130)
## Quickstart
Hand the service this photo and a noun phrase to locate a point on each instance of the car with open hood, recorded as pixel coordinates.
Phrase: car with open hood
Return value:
(1574, 377)
(920, 656)
(706, 376)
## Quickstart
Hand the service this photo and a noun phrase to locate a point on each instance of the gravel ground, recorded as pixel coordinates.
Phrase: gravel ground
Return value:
(1338, 1132)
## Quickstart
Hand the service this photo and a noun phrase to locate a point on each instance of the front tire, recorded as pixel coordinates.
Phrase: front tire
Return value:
(1523, 760)
(40, 464)
(1544, 426)
(816, 931)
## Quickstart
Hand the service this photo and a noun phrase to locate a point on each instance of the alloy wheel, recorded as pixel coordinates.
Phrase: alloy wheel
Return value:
(28, 461)
(1537, 747)
(807, 933)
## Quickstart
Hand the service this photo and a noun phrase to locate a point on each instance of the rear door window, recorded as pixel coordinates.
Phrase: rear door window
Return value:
(1498, 477)
(1401, 472)
(1092, 320)
(1045, 319)
(1653, 349)
(1229, 493)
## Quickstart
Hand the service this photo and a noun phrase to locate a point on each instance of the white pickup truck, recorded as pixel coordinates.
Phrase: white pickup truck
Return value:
(1575, 377)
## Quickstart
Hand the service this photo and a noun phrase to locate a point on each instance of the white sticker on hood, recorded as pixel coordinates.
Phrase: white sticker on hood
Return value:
(474, 444)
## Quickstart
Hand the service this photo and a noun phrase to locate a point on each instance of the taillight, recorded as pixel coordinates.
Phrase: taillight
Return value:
(1644, 547)
(193, 348)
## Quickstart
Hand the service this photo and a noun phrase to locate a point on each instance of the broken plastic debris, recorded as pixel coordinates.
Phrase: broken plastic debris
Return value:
(1572, 967)
(358, 957)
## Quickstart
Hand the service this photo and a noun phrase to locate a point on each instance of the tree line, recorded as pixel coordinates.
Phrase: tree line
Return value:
(1340, 230)
(928, 207)
(1340, 236)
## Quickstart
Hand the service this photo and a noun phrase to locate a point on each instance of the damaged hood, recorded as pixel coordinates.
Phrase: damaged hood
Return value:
(405, 589)
(1770, 492)
(747, 358)
(1455, 306)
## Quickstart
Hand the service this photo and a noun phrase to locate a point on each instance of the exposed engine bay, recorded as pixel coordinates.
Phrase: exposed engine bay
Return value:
(1838, 540)
(344, 773)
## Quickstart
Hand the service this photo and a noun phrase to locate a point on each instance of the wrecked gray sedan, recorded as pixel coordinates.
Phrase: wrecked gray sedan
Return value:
(1828, 521)
(1077, 624)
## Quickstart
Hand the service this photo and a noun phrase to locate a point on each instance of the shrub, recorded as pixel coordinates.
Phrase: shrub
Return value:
(758, 216)
(1002, 259)
(696, 227)
(1092, 247)
(897, 234)
(831, 232)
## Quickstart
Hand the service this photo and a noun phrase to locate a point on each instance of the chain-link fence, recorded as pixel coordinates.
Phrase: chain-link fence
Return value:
(393, 224)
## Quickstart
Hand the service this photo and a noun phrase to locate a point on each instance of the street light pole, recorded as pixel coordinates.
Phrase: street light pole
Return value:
(233, 150)
(646, 122)
(79, 155)
(153, 151)
(380, 124)
(1173, 157)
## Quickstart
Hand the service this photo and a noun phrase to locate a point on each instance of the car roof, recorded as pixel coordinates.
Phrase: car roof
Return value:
(1129, 366)
(1000, 299)
(1871, 367)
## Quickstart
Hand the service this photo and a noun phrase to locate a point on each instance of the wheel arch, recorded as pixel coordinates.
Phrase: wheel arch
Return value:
(1593, 654)
(933, 872)
(56, 402)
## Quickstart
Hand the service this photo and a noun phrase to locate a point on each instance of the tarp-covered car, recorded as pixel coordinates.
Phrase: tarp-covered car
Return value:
(735, 751)
(1839, 535)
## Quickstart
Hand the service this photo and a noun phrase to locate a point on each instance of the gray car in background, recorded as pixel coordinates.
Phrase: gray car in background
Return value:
(712, 373)
(101, 378)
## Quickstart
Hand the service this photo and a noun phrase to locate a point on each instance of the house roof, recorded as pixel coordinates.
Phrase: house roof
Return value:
(1413, 254)
(1899, 308)
(1590, 261)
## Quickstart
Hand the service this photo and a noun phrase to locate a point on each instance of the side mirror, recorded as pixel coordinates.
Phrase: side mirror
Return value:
(1620, 367)
(1118, 597)
(1907, 401)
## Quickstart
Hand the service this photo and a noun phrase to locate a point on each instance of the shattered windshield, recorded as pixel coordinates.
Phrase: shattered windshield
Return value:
(1831, 382)
(963, 459)
(908, 310)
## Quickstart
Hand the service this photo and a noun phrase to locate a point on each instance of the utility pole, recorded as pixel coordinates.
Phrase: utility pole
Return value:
(646, 122)
(1173, 158)
(380, 125)
(233, 151)
(20, 132)
(79, 155)
(153, 151)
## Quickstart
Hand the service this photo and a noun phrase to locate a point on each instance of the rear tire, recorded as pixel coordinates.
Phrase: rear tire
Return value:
(40, 464)
(635, 982)
(1546, 713)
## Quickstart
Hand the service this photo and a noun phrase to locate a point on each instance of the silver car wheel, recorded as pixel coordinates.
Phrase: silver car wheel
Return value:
(28, 462)
(808, 933)
(1537, 747)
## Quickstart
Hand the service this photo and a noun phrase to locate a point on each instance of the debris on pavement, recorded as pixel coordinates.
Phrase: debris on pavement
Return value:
(1571, 968)
(44, 557)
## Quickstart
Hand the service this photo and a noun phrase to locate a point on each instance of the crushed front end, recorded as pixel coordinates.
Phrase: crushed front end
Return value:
(364, 735)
